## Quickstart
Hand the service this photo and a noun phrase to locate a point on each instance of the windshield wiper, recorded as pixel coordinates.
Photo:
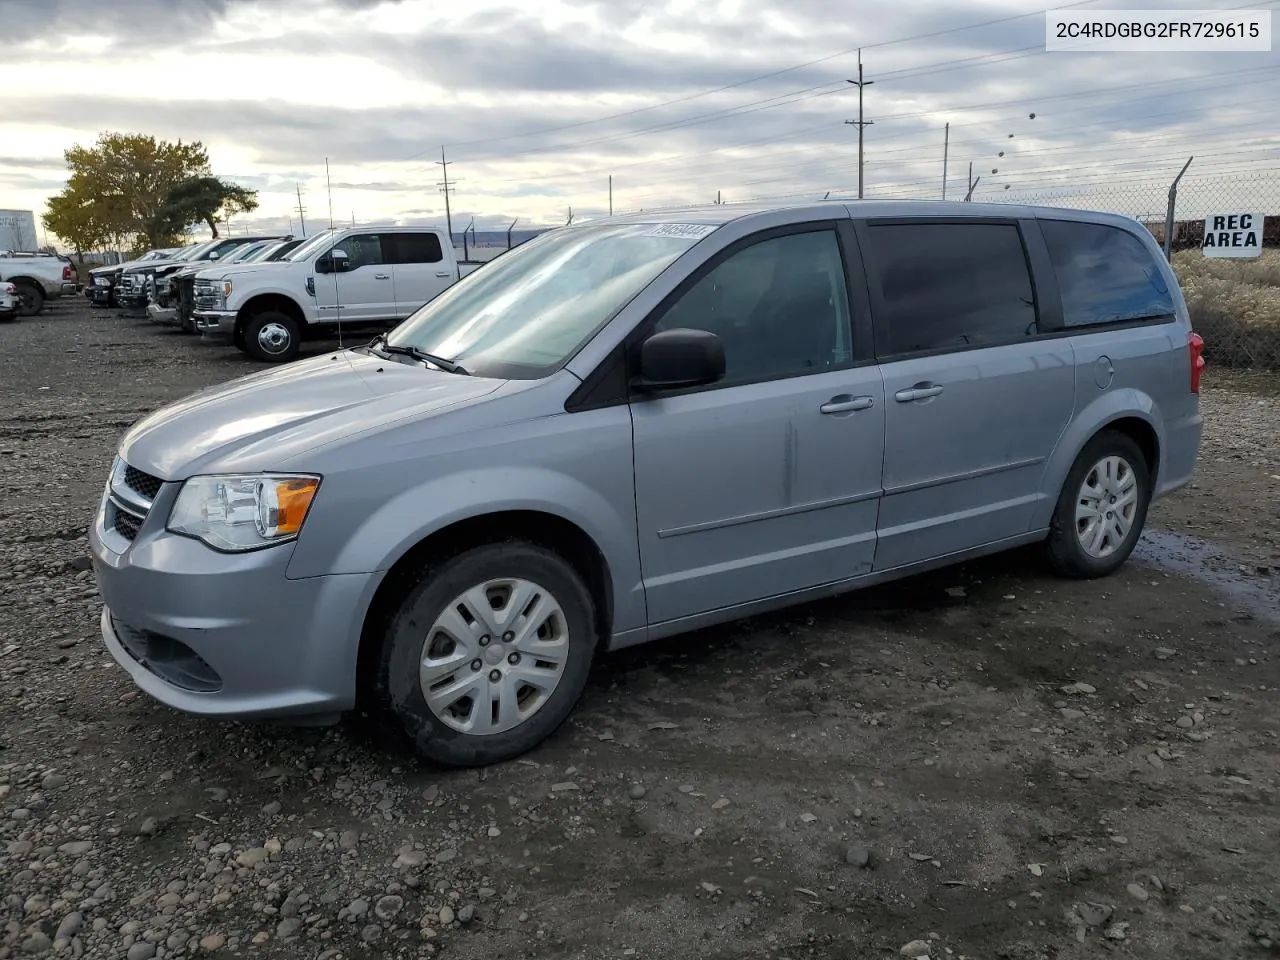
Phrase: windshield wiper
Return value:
(446, 365)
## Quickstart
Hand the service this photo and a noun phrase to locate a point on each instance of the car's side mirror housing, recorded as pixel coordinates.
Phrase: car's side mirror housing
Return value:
(679, 359)
(214, 255)
(335, 261)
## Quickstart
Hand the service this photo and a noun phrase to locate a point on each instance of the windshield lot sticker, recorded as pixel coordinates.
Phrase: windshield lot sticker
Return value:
(683, 231)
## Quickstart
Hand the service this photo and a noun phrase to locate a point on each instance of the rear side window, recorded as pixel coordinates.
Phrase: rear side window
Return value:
(1106, 274)
(412, 248)
(948, 286)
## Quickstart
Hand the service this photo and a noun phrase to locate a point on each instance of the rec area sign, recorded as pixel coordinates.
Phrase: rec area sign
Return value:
(1237, 235)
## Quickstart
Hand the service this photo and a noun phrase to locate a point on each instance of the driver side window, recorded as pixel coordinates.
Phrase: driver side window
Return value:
(363, 250)
(779, 306)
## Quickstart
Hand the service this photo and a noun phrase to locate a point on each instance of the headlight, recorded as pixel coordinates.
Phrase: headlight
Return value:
(226, 289)
(243, 513)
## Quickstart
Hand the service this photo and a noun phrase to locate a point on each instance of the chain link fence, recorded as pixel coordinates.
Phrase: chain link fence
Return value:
(1234, 304)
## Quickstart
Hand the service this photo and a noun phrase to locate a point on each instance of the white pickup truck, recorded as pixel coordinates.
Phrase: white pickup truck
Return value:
(38, 277)
(361, 277)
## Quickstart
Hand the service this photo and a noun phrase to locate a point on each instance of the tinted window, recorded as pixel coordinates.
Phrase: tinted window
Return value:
(1105, 274)
(779, 306)
(949, 285)
(362, 249)
(412, 248)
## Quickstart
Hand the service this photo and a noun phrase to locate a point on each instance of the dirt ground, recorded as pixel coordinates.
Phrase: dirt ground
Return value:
(989, 760)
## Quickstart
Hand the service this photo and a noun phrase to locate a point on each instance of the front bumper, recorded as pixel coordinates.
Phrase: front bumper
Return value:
(165, 316)
(227, 635)
(215, 324)
(102, 296)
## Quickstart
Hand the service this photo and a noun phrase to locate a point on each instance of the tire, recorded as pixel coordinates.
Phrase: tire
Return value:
(31, 298)
(1085, 546)
(237, 338)
(415, 631)
(272, 337)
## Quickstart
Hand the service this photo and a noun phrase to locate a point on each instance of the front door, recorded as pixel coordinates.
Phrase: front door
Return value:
(422, 273)
(975, 400)
(364, 291)
(767, 482)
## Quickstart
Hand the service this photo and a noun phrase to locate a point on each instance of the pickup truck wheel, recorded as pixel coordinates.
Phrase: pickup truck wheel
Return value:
(1102, 508)
(488, 653)
(30, 298)
(272, 337)
(237, 338)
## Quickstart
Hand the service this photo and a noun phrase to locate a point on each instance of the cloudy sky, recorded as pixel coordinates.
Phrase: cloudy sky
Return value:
(537, 102)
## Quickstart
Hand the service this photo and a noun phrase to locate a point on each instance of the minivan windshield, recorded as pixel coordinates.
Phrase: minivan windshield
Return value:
(311, 246)
(526, 313)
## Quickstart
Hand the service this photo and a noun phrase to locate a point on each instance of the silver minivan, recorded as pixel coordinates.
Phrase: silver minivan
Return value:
(634, 427)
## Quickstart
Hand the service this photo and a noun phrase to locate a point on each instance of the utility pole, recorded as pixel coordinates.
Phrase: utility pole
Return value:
(302, 217)
(611, 194)
(946, 142)
(860, 123)
(446, 185)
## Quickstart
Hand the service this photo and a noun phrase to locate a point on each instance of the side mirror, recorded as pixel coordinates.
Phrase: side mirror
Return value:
(675, 359)
(215, 255)
(340, 261)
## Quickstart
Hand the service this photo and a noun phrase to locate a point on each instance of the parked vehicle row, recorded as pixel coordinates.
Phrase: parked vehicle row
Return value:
(38, 277)
(266, 295)
(628, 429)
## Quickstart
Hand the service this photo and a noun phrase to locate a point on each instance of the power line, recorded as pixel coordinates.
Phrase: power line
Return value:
(737, 165)
(759, 77)
(923, 153)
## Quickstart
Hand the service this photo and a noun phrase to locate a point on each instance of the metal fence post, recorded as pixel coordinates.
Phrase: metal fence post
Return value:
(1168, 217)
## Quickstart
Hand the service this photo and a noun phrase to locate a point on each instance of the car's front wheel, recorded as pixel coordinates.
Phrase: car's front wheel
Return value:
(487, 653)
(1101, 509)
(272, 337)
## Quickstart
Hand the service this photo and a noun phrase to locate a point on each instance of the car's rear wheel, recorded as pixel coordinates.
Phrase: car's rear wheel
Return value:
(272, 337)
(1101, 509)
(488, 652)
(30, 298)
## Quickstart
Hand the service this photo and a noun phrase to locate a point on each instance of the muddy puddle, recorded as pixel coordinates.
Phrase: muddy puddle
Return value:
(1251, 589)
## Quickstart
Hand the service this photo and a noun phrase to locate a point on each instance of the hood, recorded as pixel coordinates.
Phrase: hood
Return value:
(233, 270)
(265, 421)
(111, 268)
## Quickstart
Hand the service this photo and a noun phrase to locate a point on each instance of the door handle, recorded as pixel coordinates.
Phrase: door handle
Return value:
(921, 391)
(443, 273)
(846, 404)
(382, 276)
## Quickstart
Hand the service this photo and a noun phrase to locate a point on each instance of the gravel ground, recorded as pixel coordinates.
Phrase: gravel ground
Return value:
(985, 762)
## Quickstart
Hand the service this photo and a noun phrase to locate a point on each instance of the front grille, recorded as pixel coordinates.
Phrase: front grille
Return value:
(130, 494)
(142, 483)
(169, 659)
(125, 524)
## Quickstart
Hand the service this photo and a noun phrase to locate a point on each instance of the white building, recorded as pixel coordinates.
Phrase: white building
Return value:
(18, 230)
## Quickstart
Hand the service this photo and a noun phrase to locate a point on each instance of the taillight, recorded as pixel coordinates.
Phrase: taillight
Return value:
(1195, 346)
(66, 272)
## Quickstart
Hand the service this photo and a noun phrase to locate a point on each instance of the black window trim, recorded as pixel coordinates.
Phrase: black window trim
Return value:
(609, 383)
(1034, 253)
(1051, 273)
